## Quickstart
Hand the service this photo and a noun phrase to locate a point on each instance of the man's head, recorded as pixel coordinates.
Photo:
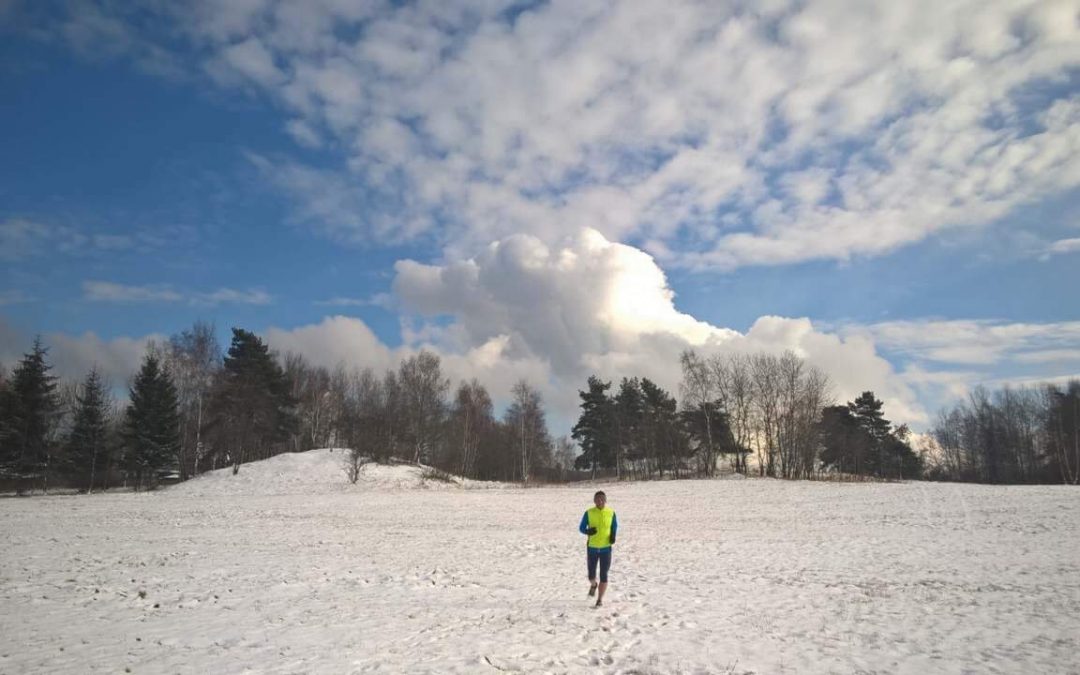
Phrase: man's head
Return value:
(599, 499)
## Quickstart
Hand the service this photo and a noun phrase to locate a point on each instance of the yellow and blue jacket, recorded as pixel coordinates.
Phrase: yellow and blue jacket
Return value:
(606, 525)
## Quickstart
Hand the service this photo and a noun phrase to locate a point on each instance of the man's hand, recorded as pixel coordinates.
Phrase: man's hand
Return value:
(613, 540)
(590, 531)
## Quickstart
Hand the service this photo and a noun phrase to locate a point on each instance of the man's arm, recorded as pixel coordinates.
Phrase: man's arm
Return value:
(584, 526)
(614, 526)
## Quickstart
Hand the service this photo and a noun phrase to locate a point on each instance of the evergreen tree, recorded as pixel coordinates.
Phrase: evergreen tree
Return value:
(594, 428)
(875, 448)
(900, 461)
(87, 443)
(845, 444)
(1062, 430)
(253, 405)
(29, 410)
(151, 425)
(5, 420)
(666, 443)
(867, 411)
(628, 420)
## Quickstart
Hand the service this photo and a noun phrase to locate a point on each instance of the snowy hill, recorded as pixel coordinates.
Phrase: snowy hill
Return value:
(313, 472)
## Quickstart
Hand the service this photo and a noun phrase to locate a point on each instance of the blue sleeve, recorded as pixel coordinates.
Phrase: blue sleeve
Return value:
(584, 523)
(614, 525)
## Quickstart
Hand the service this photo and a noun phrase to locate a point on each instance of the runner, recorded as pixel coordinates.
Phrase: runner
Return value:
(600, 523)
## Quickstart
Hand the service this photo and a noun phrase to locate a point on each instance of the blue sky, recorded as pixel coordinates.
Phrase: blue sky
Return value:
(892, 192)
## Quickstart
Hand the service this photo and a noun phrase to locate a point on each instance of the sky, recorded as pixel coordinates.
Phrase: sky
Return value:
(549, 190)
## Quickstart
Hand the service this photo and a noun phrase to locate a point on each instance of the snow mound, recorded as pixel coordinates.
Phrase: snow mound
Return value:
(314, 472)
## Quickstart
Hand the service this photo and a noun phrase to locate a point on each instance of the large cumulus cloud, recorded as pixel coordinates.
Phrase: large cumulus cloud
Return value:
(592, 306)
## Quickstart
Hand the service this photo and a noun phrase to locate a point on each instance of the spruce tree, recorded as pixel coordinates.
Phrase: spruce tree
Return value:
(86, 446)
(29, 411)
(664, 434)
(628, 419)
(867, 411)
(253, 406)
(594, 429)
(151, 425)
(845, 443)
(5, 420)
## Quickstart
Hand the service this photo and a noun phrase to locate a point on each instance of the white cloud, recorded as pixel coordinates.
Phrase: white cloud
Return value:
(303, 133)
(975, 342)
(107, 291)
(1049, 356)
(249, 60)
(336, 340)
(21, 239)
(72, 356)
(233, 296)
(555, 314)
(725, 134)
(591, 306)
(100, 32)
(383, 300)
(1062, 247)
(117, 359)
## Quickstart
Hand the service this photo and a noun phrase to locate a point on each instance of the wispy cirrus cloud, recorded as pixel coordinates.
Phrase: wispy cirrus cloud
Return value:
(232, 296)
(23, 238)
(976, 342)
(383, 300)
(107, 291)
(1061, 247)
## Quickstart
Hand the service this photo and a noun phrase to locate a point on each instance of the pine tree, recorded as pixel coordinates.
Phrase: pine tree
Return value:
(6, 401)
(900, 460)
(867, 411)
(845, 444)
(252, 403)
(87, 444)
(29, 412)
(665, 440)
(152, 425)
(594, 429)
(628, 420)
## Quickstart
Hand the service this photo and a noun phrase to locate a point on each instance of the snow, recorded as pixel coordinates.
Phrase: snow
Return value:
(287, 568)
(318, 472)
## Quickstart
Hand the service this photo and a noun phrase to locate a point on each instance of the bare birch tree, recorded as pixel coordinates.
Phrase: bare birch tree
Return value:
(424, 392)
(698, 391)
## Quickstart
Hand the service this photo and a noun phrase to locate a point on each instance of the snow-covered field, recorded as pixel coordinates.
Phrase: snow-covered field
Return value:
(286, 568)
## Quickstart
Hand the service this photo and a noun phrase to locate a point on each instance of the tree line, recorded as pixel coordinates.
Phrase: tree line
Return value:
(774, 409)
(1012, 435)
(192, 409)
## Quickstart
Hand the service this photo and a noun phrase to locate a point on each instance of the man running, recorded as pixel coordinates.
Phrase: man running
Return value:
(601, 525)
